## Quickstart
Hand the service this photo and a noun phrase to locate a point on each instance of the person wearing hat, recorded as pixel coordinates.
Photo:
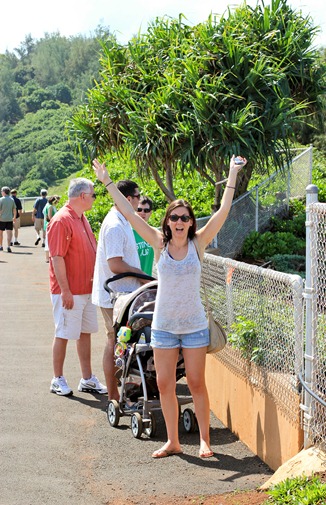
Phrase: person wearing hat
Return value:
(38, 217)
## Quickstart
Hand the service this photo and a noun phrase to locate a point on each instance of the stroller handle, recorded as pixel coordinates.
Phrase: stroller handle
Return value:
(140, 315)
(126, 274)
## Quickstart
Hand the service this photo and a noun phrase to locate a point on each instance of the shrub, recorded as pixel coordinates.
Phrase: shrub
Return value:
(297, 206)
(289, 263)
(264, 245)
(299, 491)
(319, 178)
(297, 225)
(244, 337)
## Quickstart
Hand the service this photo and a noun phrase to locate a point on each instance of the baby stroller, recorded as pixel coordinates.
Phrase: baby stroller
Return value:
(139, 395)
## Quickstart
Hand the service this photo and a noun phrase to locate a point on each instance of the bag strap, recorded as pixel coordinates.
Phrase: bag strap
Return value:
(195, 241)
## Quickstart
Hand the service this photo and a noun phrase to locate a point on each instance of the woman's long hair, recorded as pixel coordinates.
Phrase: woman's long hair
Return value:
(166, 230)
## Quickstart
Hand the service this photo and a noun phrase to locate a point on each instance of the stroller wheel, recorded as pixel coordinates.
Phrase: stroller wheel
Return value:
(113, 412)
(136, 425)
(189, 421)
(150, 427)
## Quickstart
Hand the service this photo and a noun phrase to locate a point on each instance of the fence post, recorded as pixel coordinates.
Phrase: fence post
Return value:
(310, 163)
(288, 191)
(311, 197)
(257, 211)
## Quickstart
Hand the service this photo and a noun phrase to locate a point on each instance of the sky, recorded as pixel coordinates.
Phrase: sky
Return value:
(20, 18)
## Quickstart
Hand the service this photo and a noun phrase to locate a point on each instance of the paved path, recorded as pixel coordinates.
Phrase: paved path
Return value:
(59, 450)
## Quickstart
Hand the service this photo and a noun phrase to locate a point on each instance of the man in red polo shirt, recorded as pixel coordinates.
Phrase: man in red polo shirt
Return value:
(72, 250)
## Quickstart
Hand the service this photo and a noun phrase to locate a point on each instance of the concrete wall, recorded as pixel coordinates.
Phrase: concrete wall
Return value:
(26, 219)
(252, 416)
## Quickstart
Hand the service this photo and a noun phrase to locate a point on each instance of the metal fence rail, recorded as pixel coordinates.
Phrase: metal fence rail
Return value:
(27, 202)
(262, 312)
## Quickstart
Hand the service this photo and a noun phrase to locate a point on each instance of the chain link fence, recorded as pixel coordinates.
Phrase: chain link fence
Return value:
(313, 367)
(253, 210)
(261, 310)
(276, 326)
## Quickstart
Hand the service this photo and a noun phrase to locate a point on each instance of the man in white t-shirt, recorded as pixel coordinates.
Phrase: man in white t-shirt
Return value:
(116, 253)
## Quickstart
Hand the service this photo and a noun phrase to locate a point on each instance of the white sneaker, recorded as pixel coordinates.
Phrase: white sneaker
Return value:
(60, 387)
(92, 384)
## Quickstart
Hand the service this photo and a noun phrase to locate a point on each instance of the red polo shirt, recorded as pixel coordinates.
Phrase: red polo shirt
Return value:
(72, 238)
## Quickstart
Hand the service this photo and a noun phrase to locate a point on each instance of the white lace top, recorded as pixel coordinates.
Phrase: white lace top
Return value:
(178, 306)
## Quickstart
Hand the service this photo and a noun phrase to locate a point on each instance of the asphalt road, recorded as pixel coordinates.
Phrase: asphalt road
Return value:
(59, 450)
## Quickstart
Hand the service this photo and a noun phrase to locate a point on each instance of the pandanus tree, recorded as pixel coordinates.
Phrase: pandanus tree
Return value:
(181, 98)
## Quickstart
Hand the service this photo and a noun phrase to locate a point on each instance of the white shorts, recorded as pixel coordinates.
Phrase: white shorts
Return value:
(82, 318)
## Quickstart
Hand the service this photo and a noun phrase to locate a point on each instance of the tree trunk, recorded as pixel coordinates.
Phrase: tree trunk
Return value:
(219, 188)
(167, 190)
(243, 180)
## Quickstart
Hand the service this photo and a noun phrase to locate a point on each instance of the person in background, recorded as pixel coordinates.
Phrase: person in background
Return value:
(116, 253)
(7, 216)
(19, 209)
(72, 248)
(145, 251)
(38, 218)
(179, 319)
(48, 212)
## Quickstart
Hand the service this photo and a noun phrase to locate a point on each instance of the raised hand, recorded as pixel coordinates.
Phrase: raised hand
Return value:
(237, 162)
(101, 172)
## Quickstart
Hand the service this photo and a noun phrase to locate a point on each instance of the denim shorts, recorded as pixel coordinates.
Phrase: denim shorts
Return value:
(166, 340)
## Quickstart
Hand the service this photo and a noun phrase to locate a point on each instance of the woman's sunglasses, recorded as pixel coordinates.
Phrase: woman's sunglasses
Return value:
(184, 218)
(143, 210)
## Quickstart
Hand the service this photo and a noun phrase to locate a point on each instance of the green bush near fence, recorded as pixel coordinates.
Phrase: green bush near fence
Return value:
(289, 263)
(295, 224)
(284, 242)
(243, 336)
(264, 245)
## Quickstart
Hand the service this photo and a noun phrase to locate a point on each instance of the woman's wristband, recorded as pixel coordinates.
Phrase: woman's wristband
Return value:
(231, 187)
(108, 184)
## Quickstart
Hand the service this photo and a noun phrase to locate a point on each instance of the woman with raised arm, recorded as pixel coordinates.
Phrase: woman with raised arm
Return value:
(179, 318)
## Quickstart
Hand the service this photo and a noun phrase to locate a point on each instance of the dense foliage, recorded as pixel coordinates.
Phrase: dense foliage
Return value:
(206, 84)
(194, 189)
(40, 84)
(182, 99)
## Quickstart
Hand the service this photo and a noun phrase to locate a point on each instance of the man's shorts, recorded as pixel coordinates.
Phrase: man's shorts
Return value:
(16, 224)
(108, 319)
(46, 242)
(38, 224)
(82, 318)
(6, 225)
(166, 340)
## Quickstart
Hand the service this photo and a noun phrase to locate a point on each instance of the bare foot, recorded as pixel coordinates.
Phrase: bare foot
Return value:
(205, 451)
(167, 450)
